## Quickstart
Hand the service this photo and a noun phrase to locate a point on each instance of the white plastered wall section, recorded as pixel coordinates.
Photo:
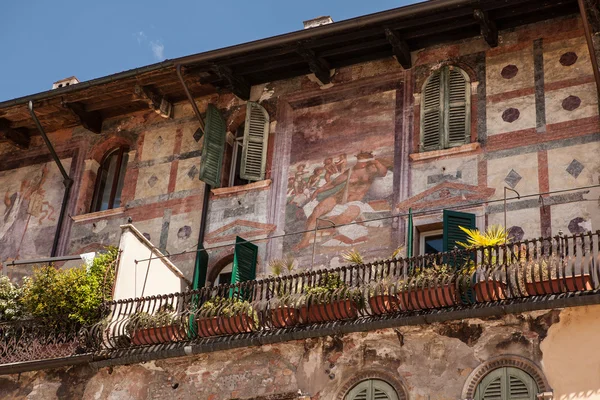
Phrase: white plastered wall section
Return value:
(157, 276)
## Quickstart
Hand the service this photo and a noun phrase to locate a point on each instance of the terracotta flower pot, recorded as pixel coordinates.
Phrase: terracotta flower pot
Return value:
(337, 310)
(216, 326)
(283, 317)
(162, 334)
(559, 285)
(382, 304)
(490, 290)
(422, 298)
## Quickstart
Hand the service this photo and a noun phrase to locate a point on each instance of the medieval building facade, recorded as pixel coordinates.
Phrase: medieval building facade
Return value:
(380, 133)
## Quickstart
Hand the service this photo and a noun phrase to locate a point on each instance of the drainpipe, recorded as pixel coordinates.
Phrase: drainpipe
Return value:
(590, 43)
(67, 181)
(196, 282)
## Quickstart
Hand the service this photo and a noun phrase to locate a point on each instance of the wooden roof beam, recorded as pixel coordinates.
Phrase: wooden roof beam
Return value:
(92, 121)
(489, 31)
(318, 65)
(18, 137)
(156, 102)
(236, 83)
(400, 48)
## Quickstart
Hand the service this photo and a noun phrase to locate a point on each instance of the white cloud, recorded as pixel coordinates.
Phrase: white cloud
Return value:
(158, 49)
(140, 37)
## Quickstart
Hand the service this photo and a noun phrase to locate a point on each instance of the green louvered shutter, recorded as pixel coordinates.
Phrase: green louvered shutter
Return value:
(211, 162)
(452, 232)
(507, 383)
(521, 385)
(244, 263)
(256, 139)
(431, 113)
(372, 389)
(457, 111)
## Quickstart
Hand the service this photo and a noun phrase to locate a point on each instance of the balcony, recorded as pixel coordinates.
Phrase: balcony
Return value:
(539, 274)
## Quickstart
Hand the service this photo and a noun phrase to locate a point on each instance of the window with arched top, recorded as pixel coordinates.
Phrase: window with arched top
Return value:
(507, 383)
(109, 180)
(445, 109)
(372, 389)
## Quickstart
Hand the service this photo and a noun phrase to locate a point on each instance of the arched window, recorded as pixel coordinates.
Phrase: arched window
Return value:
(372, 389)
(445, 109)
(109, 180)
(507, 383)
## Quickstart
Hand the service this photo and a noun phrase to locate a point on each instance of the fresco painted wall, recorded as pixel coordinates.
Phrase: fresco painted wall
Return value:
(31, 199)
(341, 172)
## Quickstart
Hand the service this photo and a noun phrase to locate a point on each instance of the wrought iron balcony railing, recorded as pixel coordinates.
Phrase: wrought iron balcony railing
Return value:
(531, 271)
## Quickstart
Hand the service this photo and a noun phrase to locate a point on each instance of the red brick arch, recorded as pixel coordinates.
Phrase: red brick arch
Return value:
(100, 149)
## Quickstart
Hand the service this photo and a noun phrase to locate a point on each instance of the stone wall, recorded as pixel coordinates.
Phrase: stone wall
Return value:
(437, 361)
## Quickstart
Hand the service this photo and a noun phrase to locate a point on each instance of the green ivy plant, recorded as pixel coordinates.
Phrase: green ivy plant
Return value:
(60, 297)
(11, 307)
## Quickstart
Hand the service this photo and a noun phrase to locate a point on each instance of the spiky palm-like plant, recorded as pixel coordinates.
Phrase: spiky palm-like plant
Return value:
(353, 257)
(282, 265)
(493, 236)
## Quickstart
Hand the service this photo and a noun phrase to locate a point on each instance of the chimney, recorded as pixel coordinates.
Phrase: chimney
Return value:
(65, 82)
(313, 23)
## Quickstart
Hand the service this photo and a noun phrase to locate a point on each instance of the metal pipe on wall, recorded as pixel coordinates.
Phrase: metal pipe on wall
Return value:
(67, 181)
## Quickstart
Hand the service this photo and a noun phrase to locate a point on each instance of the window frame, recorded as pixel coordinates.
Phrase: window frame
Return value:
(96, 203)
(444, 107)
(428, 233)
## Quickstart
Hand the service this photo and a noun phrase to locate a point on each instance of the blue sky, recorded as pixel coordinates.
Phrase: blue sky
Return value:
(44, 41)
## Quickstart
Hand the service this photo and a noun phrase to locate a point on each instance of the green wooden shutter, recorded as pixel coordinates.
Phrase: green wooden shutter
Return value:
(372, 389)
(452, 232)
(521, 385)
(256, 139)
(431, 113)
(506, 383)
(211, 162)
(458, 110)
(244, 264)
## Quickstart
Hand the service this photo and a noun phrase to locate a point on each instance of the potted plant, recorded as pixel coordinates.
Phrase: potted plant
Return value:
(383, 297)
(547, 275)
(226, 316)
(430, 287)
(486, 286)
(283, 310)
(383, 294)
(161, 327)
(330, 299)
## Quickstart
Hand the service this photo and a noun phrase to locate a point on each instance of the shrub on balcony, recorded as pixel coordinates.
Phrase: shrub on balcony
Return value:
(71, 296)
(11, 307)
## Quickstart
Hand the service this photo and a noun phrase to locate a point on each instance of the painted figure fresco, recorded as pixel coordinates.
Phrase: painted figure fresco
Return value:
(27, 211)
(341, 175)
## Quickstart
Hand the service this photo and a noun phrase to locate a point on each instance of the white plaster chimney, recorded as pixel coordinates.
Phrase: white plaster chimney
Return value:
(313, 23)
(72, 80)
